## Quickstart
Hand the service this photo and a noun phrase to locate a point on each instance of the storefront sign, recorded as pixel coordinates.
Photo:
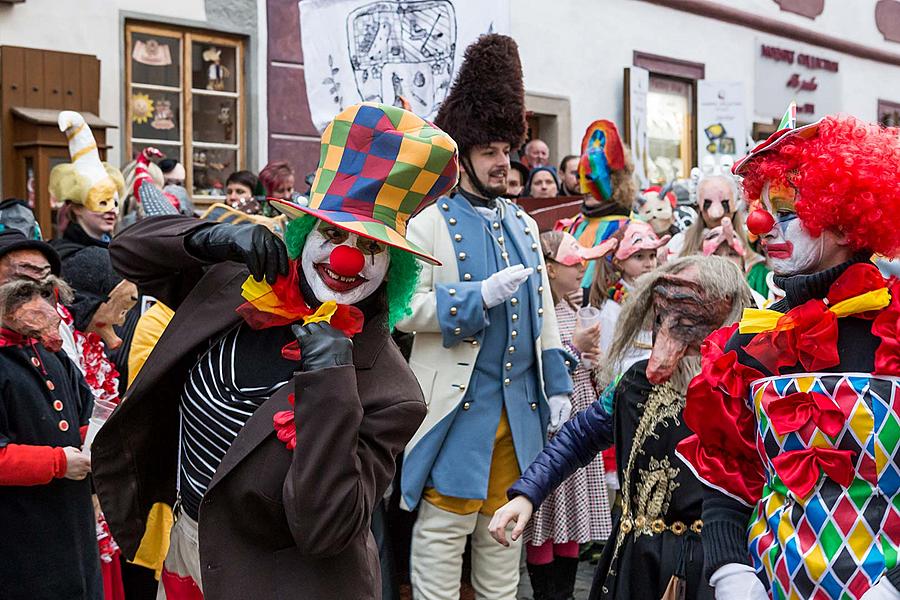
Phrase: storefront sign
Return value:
(786, 71)
(721, 120)
(389, 51)
(636, 116)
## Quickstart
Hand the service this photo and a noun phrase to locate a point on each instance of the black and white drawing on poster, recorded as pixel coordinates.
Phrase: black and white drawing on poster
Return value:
(398, 52)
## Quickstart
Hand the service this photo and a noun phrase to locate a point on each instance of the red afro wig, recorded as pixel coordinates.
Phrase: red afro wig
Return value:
(847, 177)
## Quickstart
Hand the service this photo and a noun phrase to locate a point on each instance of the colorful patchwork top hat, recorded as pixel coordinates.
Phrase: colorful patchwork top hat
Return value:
(379, 166)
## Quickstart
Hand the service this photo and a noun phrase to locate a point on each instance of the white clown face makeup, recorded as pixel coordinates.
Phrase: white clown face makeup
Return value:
(790, 249)
(342, 281)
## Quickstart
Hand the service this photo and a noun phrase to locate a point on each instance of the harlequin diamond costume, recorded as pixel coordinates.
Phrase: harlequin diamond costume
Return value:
(487, 351)
(275, 432)
(796, 409)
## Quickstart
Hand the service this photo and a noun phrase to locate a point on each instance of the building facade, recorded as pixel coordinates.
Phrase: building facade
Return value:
(220, 84)
(828, 55)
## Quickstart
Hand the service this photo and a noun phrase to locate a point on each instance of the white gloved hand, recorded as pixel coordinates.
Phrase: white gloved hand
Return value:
(736, 581)
(560, 411)
(500, 287)
(883, 590)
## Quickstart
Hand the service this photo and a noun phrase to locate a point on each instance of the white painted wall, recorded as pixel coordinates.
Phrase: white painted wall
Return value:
(578, 49)
(88, 27)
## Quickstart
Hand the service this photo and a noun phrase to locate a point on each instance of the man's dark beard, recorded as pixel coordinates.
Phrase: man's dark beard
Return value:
(371, 306)
(481, 189)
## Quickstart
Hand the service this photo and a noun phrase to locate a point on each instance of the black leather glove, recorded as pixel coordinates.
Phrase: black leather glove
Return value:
(254, 245)
(322, 346)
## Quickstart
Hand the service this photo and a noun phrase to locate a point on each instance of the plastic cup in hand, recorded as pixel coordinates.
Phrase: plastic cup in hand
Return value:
(102, 409)
(585, 318)
(94, 425)
(101, 412)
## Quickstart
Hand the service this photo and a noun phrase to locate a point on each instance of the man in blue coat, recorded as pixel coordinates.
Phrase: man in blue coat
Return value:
(487, 352)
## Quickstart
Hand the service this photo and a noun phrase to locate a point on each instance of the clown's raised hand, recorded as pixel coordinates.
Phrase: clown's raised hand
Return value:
(254, 245)
(322, 346)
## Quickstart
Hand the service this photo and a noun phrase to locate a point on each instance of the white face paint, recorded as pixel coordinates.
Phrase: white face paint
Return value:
(328, 285)
(790, 249)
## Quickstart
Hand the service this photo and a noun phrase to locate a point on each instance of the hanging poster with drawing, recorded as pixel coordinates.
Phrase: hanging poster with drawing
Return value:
(396, 52)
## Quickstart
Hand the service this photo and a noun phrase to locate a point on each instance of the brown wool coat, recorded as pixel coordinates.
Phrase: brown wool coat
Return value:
(273, 524)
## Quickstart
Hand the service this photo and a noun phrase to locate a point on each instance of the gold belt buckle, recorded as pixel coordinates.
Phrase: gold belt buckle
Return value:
(626, 525)
(658, 526)
(697, 526)
(678, 528)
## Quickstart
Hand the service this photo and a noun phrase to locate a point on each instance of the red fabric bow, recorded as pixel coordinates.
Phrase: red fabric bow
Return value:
(793, 411)
(806, 334)
(285, 428)
(800, 469)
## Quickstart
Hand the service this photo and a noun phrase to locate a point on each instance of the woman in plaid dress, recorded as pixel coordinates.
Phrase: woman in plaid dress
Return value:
(578, 511)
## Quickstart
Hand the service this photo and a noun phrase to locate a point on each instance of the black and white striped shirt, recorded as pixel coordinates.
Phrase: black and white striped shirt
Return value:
(223, 390)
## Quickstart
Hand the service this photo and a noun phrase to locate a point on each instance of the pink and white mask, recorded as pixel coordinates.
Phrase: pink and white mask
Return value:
(571, 252)
(342, 266)
(723, 234)
(639, 236)
(716, 197)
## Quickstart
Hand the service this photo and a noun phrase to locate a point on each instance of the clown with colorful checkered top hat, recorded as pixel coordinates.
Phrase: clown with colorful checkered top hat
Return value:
(486, 351)
(269, 415)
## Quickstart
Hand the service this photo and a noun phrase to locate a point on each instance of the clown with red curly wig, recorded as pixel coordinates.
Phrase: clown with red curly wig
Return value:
(796, 411)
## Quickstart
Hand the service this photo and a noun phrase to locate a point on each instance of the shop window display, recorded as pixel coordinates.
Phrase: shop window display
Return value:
(185, 98)
(669, 114)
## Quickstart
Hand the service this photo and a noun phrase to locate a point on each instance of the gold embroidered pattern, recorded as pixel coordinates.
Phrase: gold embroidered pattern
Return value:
(655, 486)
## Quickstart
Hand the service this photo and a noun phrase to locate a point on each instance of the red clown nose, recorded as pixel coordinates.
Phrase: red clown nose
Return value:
(346, 261)
(760, 222)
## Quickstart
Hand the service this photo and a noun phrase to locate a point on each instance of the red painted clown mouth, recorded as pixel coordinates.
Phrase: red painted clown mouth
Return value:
(338, 283)
(780, 251)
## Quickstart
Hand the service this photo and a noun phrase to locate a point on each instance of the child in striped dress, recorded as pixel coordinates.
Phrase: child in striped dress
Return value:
(578, 511)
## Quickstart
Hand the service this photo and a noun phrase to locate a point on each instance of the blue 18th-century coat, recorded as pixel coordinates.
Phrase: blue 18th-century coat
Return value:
(471, 362)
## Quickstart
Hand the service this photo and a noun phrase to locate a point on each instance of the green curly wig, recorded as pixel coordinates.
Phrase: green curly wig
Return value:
(402, 275)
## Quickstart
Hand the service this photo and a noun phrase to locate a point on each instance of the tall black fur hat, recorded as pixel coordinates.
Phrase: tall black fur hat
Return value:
(487, 101)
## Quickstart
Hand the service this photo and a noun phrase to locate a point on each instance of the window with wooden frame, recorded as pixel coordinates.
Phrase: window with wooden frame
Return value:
(185, 96)
(889, 113)
(671, 114)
